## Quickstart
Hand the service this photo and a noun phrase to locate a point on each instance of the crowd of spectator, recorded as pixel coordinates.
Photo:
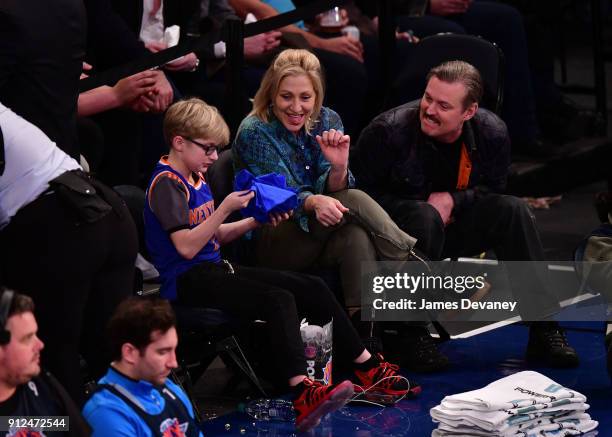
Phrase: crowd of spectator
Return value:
(424, 180)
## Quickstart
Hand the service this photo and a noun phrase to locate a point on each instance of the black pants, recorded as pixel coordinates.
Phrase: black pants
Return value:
(76, 274)
(499, 222)
(278, 297)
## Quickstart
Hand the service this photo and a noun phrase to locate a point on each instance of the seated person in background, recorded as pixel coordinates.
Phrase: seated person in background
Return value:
(291, 133)
(25, 390)
(438, 168)
(184, 232)
(72, 251)
(341, 57)
(503, 25)
(136, 134)
(135, 397)
(128, 93)
(368, 37)
(40, 63)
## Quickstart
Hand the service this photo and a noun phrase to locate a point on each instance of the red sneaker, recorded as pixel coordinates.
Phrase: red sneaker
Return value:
(317, 400)
(384, 383)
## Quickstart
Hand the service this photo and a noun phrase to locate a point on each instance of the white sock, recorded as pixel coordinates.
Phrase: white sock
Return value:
(609, 328)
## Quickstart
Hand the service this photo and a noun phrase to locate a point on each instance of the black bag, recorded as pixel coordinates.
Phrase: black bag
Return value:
(89, 199)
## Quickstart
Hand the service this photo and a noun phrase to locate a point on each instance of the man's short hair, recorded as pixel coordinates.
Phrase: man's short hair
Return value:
(195, 118)
(460, 71)
(135, 319)
(20, 303)
(11, 304)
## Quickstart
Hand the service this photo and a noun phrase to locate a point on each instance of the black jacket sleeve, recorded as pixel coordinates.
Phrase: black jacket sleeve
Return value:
(372, 158)
(109, 38)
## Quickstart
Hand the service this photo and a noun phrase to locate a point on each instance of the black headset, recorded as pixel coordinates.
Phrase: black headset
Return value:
(5, 305)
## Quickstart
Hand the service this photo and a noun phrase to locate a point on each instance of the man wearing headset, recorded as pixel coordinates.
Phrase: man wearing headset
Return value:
(68, 242)
(25, 390)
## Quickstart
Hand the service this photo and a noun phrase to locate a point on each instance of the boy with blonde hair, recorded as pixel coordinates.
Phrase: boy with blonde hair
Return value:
(184, 232)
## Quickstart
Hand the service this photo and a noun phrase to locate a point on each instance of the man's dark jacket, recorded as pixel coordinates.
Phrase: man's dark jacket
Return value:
(393, 159)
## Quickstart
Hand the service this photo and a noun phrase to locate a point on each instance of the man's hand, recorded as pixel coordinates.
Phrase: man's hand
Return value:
(329, 211)
(236, 200)
(444, 204)
(156, 46)
(343, 45)
(159, 98)
(260, 44)
(449, 7)
(335, 147)
(130, 88)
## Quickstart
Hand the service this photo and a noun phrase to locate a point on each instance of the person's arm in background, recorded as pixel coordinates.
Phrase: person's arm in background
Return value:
(124, 93)
(448, 7)
(114, 43)
(342, 44)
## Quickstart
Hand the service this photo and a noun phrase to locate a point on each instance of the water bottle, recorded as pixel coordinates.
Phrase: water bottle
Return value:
(278, 410)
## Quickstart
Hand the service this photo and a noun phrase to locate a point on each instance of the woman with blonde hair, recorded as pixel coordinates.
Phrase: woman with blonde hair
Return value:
(291, 133)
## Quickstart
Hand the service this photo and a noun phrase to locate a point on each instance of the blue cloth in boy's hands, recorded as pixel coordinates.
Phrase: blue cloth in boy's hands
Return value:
(272, 195)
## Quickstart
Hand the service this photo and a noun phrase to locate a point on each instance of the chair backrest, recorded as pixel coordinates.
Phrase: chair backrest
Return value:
(431, 51)
(220, 176)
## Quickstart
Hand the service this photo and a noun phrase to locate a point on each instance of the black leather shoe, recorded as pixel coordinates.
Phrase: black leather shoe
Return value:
(420, 353)
(548, 345)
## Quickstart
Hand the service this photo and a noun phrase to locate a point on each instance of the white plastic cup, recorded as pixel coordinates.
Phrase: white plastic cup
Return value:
(352, 32)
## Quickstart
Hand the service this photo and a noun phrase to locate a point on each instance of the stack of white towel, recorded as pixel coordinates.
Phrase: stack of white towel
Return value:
(524, 404)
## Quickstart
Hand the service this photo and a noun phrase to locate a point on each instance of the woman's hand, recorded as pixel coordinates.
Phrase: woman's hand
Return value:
(335, 147)
(236, 200)
(329, 211)
(276, 218)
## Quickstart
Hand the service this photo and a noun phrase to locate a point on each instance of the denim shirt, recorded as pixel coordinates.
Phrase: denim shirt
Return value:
(264, 148)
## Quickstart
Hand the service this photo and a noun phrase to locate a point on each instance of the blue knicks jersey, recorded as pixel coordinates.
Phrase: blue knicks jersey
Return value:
(166, 258)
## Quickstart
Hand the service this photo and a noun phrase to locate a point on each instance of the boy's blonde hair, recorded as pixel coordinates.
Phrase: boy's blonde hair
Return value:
(195, 118)
(291, 62)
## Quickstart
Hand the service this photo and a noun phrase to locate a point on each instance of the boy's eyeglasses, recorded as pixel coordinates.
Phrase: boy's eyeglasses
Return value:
(208, 150)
